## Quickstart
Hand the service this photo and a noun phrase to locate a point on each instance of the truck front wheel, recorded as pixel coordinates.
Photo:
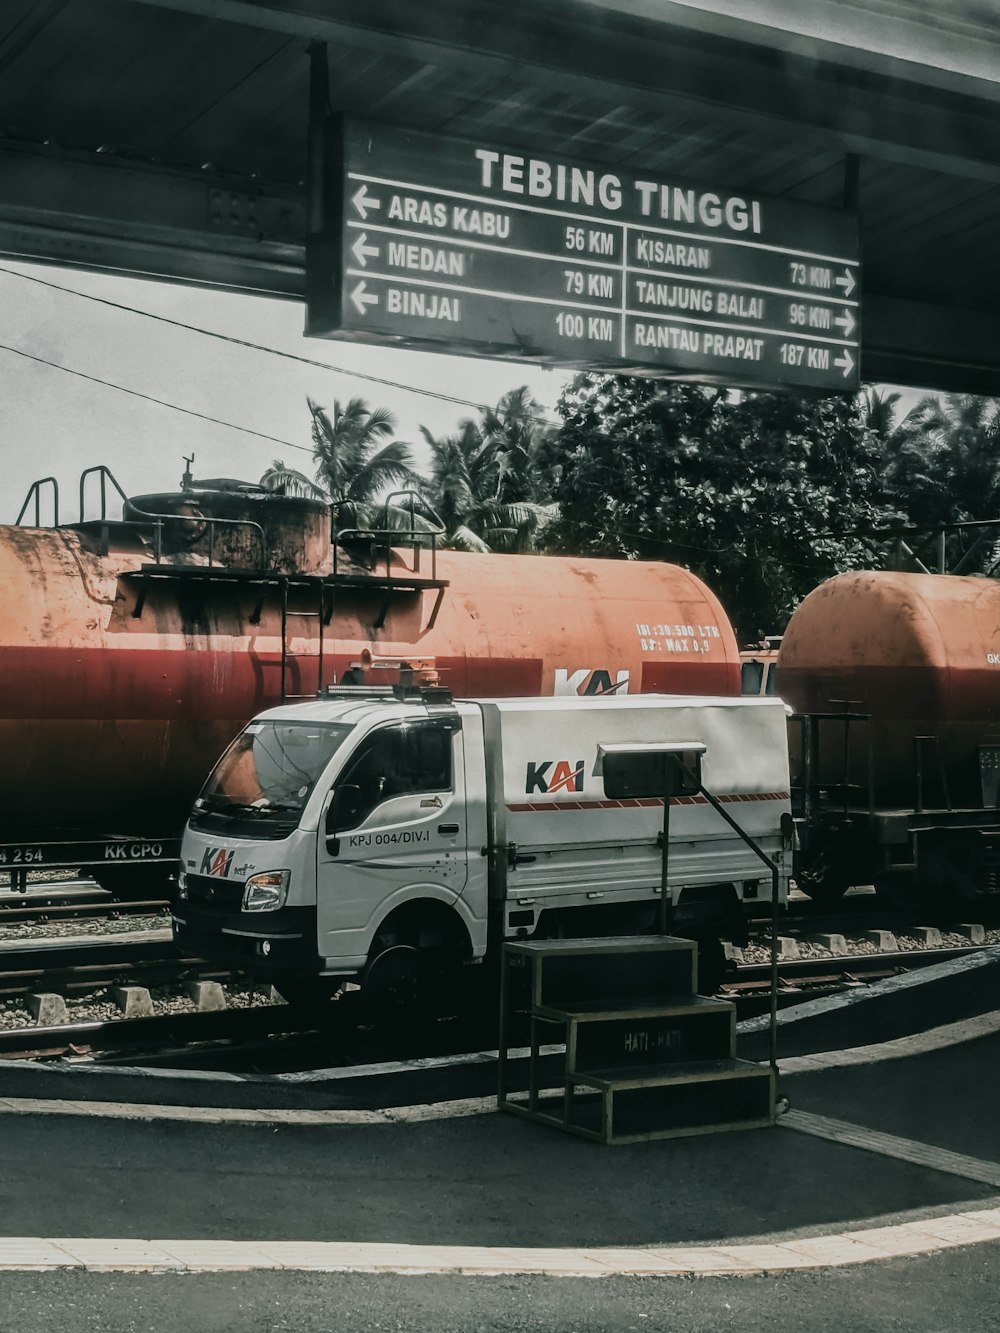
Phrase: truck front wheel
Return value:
(403, 983)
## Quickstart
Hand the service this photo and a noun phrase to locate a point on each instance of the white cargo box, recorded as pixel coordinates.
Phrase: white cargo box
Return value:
(569, 836)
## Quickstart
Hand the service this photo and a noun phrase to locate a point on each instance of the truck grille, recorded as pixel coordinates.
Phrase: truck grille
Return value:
(220, 894)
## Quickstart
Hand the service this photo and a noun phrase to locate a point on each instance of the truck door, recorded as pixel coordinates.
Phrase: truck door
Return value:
(396, 820)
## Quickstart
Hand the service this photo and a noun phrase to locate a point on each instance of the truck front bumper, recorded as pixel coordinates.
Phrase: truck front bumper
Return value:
(266, 944)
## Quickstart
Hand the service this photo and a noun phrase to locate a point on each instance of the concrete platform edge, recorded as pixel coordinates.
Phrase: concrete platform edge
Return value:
(834, 1250)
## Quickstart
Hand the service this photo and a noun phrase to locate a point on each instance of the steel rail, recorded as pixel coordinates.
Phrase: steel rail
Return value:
(54, 954)
(73, 911)
(847, 965)
(160, 1030)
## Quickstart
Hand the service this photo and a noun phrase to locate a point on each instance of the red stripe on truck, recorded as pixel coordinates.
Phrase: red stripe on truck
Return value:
(546, 807)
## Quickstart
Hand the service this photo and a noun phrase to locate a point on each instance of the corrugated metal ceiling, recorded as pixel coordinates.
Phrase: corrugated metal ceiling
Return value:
(163, 86)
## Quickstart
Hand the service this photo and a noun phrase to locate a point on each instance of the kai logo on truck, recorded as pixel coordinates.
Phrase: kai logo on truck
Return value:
(590, 680)
(554, 775)
(216, 861)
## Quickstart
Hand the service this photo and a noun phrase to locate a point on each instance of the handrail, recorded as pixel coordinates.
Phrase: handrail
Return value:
(412, 495)
(432, 532)
(211, 523)
(935, 540)
(105, 475)
(36, 492)
(395, 537)
(755, 847)
(383, 536)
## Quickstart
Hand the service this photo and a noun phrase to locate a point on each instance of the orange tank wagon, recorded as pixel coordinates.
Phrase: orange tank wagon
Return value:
(896, 677)
(132, 651)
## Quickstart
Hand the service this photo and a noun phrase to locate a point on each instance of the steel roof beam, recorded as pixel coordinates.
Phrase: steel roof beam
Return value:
(949, 44)
(670, 54)
(115, 215)
(146, 221)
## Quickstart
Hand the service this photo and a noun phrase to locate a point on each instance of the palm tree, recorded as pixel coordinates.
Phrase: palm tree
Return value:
(356, 465)
(516, 431)
(486, 481)
(944, 467)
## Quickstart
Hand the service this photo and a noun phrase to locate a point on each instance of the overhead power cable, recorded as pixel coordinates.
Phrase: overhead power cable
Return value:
(646, 538)
(148, 397)
(244, 342)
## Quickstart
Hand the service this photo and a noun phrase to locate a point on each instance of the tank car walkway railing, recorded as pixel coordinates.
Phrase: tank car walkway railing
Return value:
(35, 494)
(924, 552)
(382, 542)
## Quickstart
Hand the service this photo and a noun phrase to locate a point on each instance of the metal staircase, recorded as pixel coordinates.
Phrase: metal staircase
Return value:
(646, 1058)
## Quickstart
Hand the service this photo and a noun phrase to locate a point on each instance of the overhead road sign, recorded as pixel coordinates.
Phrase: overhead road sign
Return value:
(472, 248)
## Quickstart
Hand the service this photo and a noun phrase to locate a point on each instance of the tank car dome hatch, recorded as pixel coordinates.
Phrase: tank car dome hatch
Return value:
(253, 527)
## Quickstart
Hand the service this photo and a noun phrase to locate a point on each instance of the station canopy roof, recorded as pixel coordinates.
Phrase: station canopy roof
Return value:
(169, 137)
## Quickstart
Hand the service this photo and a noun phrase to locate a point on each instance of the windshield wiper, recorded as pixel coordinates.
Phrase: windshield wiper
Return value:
(245, 808)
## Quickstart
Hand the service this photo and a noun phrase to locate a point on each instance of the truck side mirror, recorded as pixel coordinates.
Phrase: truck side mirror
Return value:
(345, 808)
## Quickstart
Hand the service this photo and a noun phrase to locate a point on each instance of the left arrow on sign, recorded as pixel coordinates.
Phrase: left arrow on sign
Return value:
(363, 298)
(362, 200)
(361, 251)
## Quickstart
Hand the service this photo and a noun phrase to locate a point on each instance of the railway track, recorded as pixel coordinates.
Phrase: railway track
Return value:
(88, 965)
(52, 955)
(76, 982)
(53, 894)
(850, 966)
(27, 913)
(43, 889)
(159, 1033)
(241, 1035)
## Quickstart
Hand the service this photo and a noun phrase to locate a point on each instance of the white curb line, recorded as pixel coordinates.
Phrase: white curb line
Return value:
(28, 1254)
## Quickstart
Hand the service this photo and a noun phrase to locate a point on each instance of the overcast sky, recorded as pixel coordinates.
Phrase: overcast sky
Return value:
(54, 423)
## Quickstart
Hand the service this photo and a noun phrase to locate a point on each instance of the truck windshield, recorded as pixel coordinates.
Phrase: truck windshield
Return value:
(266, 776)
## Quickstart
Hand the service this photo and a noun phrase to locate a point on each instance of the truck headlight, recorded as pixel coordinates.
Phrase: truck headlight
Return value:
(266, 892)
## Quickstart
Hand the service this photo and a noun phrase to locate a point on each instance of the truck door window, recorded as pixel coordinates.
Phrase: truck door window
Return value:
(400, 761)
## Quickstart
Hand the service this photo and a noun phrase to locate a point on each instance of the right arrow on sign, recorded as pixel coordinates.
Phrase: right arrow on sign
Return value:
(363, 298)
(845, 322)
(846, 361)
(363, 201)
(846, 280)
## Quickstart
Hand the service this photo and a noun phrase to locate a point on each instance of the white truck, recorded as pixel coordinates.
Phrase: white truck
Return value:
(371, 837)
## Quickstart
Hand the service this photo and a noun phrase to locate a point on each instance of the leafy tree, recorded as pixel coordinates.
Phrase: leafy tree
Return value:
(763, 495)
(946, 468)
(356, 465)
(518, 438)
(488, 482)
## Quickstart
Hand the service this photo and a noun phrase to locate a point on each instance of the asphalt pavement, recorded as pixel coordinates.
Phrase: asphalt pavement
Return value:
(459, 1178)
(937, 1294)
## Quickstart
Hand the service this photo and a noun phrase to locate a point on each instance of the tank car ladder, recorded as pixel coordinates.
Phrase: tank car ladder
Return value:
(323, 614)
